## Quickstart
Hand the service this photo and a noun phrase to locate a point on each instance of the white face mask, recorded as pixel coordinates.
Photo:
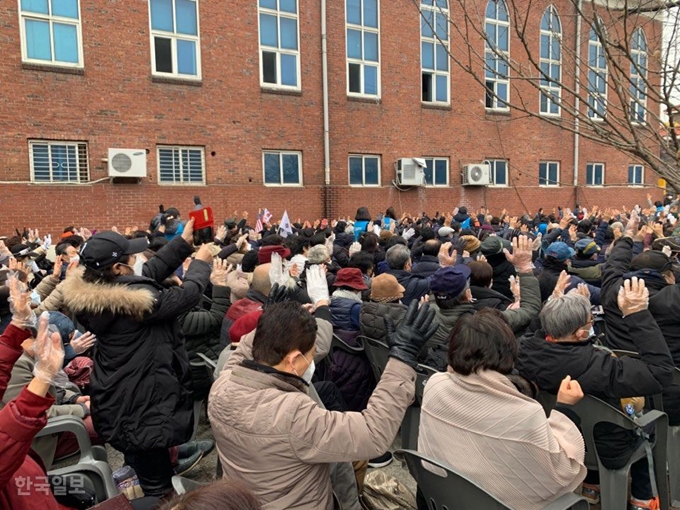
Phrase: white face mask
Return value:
(591, 333)
(75, 258)
(139, 265)
(35, 298)
(309, 373)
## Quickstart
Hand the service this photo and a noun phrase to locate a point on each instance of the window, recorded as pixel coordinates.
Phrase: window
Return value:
(175, 44)
(636, 175)
(434, 50)
(436, 171)
(181, 165)
(58, 161)
(499, 172)
(597, 73)
(279, 48)
(282, 168)
(497, 55)
(364, 171)
(548, 173)
(551, 62)
(50, 32)
(638, 77)
(595, 174)
(363, 47)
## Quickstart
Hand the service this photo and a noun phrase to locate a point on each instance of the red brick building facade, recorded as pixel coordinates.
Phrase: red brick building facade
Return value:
(105, 74)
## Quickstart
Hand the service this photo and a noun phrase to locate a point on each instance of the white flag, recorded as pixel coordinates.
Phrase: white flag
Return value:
(266, 216)
(285, 228)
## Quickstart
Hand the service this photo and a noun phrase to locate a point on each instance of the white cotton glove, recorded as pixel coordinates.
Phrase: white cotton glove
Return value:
(317, 287)
(409, 234)
(376, 230)
(355, 247)
(47, 241)
(277, 274)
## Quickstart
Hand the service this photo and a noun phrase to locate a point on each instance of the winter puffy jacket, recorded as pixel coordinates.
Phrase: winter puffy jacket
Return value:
(352, 373)
(22, 477)
(272, 435)
(664, 305)
(485, 297)
(602, 375)
(201, 328)
(427, 266)
(416, 285)
(141, 394)
(373, 318)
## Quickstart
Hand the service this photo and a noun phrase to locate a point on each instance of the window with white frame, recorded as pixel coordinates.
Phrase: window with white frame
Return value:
(548, 173)
(181, 165)
(595, 174)
(51, 32)
(636, 175)
(363, 47)
(551, 62)
(497, 55)
(279, 44)
(638, 77)
(436, 171)
(282, 168)
(597, 73)
(175, 42)
(58, 162)
(364, 170)
(434, 50)
(498, 171)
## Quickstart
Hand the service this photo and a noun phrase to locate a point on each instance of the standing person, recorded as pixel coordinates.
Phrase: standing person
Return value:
(361, 221)
(141, 395)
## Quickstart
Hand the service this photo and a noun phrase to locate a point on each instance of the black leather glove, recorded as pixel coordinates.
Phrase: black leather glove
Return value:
(277, 294)
(408, 339)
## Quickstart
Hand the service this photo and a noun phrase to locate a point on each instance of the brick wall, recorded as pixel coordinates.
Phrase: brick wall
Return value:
(115, 103)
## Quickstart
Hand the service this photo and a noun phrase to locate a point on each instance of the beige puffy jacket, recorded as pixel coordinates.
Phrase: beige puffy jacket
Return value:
(272, 435)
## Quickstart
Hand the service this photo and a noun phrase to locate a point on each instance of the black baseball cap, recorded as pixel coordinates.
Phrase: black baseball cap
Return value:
(21, 251)
(107, 248)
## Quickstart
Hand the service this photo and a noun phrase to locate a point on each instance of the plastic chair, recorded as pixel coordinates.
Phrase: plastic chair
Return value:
(376, 351)
(184, 485)
(547, 400)
(673, 454)
(453, 491)
(339, 343)
(209, 363)
(93, 462)
(614, 482)
(411, 423)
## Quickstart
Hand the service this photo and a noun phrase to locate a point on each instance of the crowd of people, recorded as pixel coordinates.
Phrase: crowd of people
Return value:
(105, 326)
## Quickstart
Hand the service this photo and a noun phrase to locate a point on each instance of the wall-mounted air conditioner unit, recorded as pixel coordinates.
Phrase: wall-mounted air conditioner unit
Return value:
(410, 171)
(477, 174)
(127, 163)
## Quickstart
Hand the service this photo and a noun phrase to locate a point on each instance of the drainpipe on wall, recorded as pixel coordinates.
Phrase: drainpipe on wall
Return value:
(577, 100)
(326, 127)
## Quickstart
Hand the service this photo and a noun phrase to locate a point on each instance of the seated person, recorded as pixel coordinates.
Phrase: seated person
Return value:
(271, 434)
(385, 299)
(481, 281)
(473, 411)
(564, 347)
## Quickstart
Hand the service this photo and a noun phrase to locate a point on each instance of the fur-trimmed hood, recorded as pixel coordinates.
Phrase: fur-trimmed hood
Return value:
(97, 298)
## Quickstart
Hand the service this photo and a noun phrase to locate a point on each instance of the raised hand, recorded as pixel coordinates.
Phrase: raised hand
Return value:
(417, 327)
(188, 234)
(48, 352)
(521, 254)
(562, 283)
(83, 342)
(633, 296)
(444, 258)
(220, 271)
(570, 391)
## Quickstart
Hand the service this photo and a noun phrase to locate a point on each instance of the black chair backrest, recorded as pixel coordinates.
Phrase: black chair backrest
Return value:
(377, 353)
(447, 490)
(339, 343)
(423, 374)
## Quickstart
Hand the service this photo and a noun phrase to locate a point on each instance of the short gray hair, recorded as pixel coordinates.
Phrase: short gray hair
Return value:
(564, 315)
(318, 254)
(398, 256)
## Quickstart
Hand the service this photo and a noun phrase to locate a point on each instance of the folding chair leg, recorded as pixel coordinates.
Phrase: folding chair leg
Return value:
(614, 488)
(660, 464)
(674, 464)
